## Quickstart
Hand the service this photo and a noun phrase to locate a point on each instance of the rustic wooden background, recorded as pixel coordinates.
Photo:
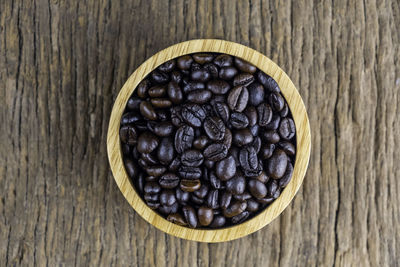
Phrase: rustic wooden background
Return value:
(62, 64)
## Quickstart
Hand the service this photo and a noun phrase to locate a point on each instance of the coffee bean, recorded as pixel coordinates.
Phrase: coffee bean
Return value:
(169, 180)
(142, 88)
(159, 77)
(243, 79)
(184, 138)
(161, 102)
(221, 110)
(193, 115)
(190, 216)
(126, 149)
(147, 142)
(225, 200)
(215, 181)
(167, 197)
(192, 158)
(167, 66)
(239, 120)
(263, 178)
(149, 158)
(252, 116)
(131, 168)
(212, 199)
(192, 86)
(238, 98)
(227, 73)
(256, 144)
(242, 137)
(223, 61)
(201, 75)
(240, 217)
(288, 147)
(242, 197)
(130, 118)
(174, 165)
(256, 94)
(140, 183)
(157, 91)
(165, 151)
(218, 222)
(190, 185)
(265, 200)
(156, 171)
(268, 82)
(277, 164)
(182, 196)
(244, 65)
(214, 128)
(271, 136)
(248, 158)
(177, 219)
(133, 103)
(163, 128)
(284, 181)
(196, 200)
(274, 123)
(174, 92)
(264, 114)
(184, 62)
(200, 142)
(147, 110)
(176, 76)
(209, 164)
(287, 129)
(212, 69)
(227, 141)
(169, 209)
(190, 172)
(151, 178)
(235, 209)
(236, 185)
(285, 111)
(152, 188)
(205, 215)
(252, 205)
(272, 188)
(257, 188)
(128, 134)
(226, 168)
(202, 58)
(267, 150)
(276, 101)
(199, 96)
(219, 87)
(215, 152)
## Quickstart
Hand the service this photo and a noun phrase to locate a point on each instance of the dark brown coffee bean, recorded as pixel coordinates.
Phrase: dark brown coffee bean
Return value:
(133, 103)
(153, 205)
(248, 158)
(182, 196)
(215, 152)
(265, 200)
(219, 87)
(169, 180)
(177, 219)
(164, 128)
(184, 137)
(212, 199)
(254, 173)
(285, 111)
(202, 191)
(274, 123)
(161, 102)
(135, 153)
(192, 86)
(190, 216)
(184, 62)
(225, 200)
(242, 137)
(244, 65)
(263, 178)
(168, 209)
(252, 205)
(218, 221)
(257, 188)
(202, 58)
(167, 66)
(271, 136)
(239, 120)
(152, 188)
(149, 158)
(212, 69)
(176, 76)
(147, 142)
(130, 118)
(256, 144)
(194, 67)
(126, 149)
(223, 61)
(131, 168)
(200, 142)
(235, 209)
(199, 96)
(192, 158)
(256, 94)
(284, 181)
(140, 183)
(287, 129)
(243, 79)
(174, 92)
(209, 164)
(142, 88)
(157, 91)
(151, 178)
(227, 141)
(251, 114)
(236, 185)
(226, 168)
(196, 200)
(240, 217)
(156, 171)
(221, 110)
(205, 215)
(200, 75)
(189, 172)
(288, 147)
(167, 197)
(174, 165)
(214, 127)
(147, 110)
(268, 82)
(215, 182)
(227, 73)
(128, 134)
(272, 188)
(264, 114)
(190, 185)
(242, 197)
(238, 98)
(193, 115)
(276, 101)
(277, 163)
(159, 76)
(151, 197)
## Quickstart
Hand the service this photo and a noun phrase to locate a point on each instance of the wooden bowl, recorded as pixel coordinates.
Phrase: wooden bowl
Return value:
(297, 108)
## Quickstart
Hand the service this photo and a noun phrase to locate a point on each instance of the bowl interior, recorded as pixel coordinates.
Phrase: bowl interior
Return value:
(296, 105)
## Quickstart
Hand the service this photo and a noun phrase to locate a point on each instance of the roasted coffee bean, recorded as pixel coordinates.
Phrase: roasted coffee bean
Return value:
(159, 77)
(276, 101)
(227, 73)
(130, 118)
(225, 200)
(274, 123)
(218, 222)
(167, 197)
(219, 87)
(285, 111)
(272, 187)
(140, 183)
(182, 196)
(147, 142)
(176, 117)
(243, 79)
(235, 209)
(126, 149)
(201, 75)
(157, 91)
(212, 199)
(238, 98)
(174, 165)
(147, 110)
(133, 103)
(190, 216)
(142, 88)
(190, 185)
(284, 181)
(212, 69)
(152, 188)
(167, 66)
(169, 209)
(257, 188)
(277, 163)
(248, 158)
(226, 168)
(199, 96)
(192, 86)
(244, 65)
(252, 205)
(184, 138)
(192, 158)
(202, 191)
(253, 173)
(205, 215)
(177, 219)
(202, 58)
(221, 110)
(128, 134)
(209, 164)
(240, 217)
(214, 127)
(156, 171)
(242, 197)
(264, 112)
(252, 116)
(200, 142)
(169, 180)
(215, 152)
(190, 172)
(161, 102)
(149, 158)
(153, 205)
(162, 115)
(184, 62)
(223, 61)
(174, 92)
(271, 136)
(265, 200)
(287, 129)
(164, 128)
(131, 168)
(135, 153)
(263, 178)
(151, 178)
(236, 185)
(242, 137)
(239, 120)
(193, 115)
(194, 67)
(227, 141)
(196, 200)
(268, 82)
(215, 182)
(176, 76)
(288, 147)
(256, 144)
(256, 94)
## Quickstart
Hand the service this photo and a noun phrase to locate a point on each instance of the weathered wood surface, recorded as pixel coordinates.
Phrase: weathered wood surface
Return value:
(62, 64)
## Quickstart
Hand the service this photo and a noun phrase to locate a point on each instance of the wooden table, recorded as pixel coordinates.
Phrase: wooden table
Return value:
(63, 63)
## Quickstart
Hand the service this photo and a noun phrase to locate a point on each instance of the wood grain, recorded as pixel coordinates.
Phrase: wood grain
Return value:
(62, 64)
(296, 106)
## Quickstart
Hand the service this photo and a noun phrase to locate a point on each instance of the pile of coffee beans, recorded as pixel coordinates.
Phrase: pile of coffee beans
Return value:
(208, 140)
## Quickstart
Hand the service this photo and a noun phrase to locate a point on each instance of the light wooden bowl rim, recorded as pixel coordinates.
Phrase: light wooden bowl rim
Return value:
(302, 133)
